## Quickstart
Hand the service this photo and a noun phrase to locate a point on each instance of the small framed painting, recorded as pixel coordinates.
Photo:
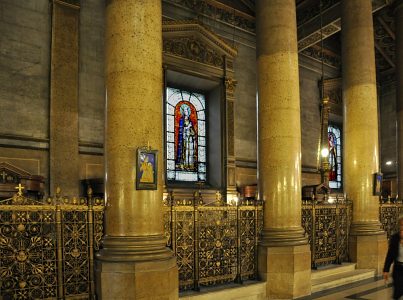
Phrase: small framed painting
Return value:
(378, 184)
(146, 169)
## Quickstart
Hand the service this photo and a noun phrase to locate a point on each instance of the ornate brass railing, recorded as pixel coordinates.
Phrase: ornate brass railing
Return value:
(389, 212)
(214, 243)
(327, 226)
(47, 249)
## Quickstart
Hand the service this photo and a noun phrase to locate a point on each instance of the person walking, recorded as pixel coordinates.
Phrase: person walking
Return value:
(395, 256)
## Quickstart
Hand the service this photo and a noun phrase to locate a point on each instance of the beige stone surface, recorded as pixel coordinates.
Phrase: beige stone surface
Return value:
(146, 280)
(279, 111)
(134, 262)
(63, 142)
(368, 252)
(360, 160)
(253, 291)
(286, 270)
(133, 84)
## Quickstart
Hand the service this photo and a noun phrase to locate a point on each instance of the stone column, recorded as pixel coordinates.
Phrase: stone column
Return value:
(398, 10)
(134, 262)
(367, 243)
(284, 255)
(63, 152)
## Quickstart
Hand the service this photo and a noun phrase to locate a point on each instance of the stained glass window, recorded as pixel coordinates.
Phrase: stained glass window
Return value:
(334, 138)
(185, 136)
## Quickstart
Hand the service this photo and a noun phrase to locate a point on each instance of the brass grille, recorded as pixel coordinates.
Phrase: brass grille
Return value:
(388, 214)
(214, 243)
(327, 226)
(47, 250)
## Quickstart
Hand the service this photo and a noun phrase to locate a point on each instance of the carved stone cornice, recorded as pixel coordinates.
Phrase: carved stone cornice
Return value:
(193, 49)
(218, 11)
(330, 59)
(193, 28)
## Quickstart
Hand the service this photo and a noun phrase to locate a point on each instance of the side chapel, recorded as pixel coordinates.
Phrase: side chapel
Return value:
(153, 149)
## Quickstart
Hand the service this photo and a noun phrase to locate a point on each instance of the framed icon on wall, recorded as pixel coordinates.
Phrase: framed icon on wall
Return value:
(146, 169)
(378, 184)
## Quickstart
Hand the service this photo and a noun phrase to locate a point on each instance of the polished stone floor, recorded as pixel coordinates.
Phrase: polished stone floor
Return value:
(375, 289)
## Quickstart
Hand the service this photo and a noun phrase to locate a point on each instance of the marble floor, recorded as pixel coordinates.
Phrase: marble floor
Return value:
(375, 289)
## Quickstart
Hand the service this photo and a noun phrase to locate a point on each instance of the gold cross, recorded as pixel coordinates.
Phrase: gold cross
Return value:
(4, 176)
(19, 188)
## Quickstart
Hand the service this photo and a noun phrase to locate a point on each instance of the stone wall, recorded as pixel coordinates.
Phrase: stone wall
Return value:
(91, 90)
(25, 37)
(24, 71)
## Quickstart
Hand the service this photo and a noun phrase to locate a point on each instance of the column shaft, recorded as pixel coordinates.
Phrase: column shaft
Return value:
(279, 122)
(64, 159)
(134, 262)
(367, 241)
(284, 255)
(361, 146)
(399, 92)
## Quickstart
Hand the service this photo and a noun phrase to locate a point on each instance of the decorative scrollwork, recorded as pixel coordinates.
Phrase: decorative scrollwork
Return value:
(213, 244)
(327, 226)
(43, 243)
(388, 215)
(193, 49)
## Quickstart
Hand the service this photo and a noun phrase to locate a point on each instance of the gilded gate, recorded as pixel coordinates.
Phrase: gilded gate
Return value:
(47, 249)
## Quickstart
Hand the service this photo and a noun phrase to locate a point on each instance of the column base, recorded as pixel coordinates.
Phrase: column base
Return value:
(286, 271)
(368, 251)
(133, 248)
(274, 237)
(137, 280)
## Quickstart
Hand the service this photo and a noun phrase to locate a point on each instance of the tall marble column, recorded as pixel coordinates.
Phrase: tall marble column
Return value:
(367, 244)
(284, 255)
(398, 11)
(134, 262)
(63, 140)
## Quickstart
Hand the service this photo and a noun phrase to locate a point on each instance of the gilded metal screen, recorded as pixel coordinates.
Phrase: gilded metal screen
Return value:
(327, 226)
(47, 250)
(388, 215)
(213, 244)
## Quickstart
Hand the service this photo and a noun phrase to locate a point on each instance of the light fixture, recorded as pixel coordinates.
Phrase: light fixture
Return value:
(323, 149)
(389, 163)
(324, 152)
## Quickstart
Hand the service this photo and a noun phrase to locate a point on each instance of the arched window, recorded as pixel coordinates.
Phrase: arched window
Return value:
(185, 136)
(335, 174)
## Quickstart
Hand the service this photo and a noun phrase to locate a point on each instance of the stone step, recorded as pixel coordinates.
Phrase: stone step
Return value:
(331, 270)
(339, 279)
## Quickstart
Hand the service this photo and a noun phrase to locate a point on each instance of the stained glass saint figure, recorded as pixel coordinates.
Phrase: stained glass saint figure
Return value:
(186, 148)
(332, 157)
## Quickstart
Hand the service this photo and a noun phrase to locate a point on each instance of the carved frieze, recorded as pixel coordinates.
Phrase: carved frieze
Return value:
(328, 58)
(193, 49)
(218, 11)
